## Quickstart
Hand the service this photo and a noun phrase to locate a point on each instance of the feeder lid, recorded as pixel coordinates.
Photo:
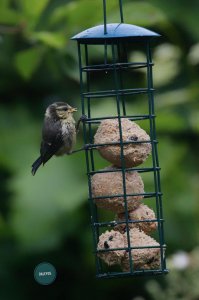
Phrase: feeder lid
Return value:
(114, 31)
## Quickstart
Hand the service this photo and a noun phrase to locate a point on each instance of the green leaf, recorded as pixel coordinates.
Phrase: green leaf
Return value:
(27, 61)
(4, 3)
(143, 13)
(82, 13)
(52, 39)
(173, 98)
(170, 121)
(189, 10)
(9, 17)
(33, 8)
(31, 12)
(193, 56)
(167, 67)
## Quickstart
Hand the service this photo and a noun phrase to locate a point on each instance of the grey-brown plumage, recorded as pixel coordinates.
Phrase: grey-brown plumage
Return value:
(58, 133)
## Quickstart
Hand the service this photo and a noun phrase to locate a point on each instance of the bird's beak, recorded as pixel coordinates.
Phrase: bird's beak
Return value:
(72, 109)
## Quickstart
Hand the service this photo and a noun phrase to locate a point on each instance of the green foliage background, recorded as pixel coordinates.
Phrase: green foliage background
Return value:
(46, 218)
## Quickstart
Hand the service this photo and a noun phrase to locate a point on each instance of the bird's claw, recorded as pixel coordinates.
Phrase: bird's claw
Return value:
(81, 119)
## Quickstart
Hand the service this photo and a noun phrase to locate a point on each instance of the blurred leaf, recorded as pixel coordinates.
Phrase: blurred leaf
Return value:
(4, 4)
(52, 39)
(194, 120)
(27, 61)
(193, 56)
(9, 16)
(189, 11)
(170, 121)
(167, 67)
(61, 12)
(33, 8)
(70, 67)
(173, 98)
(77, 13)
(144, 14)
(31, 12)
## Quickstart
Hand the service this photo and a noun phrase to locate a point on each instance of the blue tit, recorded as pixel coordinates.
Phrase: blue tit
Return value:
(58, 133)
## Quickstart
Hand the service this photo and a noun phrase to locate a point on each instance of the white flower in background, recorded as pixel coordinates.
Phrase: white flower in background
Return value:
(180, 260)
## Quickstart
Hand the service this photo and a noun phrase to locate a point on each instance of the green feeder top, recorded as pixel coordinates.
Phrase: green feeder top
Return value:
(114, 31)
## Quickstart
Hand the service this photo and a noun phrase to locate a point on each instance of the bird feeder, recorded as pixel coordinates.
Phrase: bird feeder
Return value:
(129, 239)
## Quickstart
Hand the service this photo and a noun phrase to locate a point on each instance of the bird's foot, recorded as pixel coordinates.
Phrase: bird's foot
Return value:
(81, 119)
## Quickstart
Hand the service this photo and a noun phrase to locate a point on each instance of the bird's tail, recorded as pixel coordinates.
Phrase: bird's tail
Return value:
(36, 165)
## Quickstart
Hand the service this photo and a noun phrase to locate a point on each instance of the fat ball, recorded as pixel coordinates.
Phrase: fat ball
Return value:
(111, 183)
(137, 149)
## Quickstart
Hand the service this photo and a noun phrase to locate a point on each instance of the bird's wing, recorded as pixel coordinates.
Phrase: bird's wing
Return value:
(52, 140)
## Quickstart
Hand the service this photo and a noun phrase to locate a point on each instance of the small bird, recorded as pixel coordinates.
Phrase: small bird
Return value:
(58, 133)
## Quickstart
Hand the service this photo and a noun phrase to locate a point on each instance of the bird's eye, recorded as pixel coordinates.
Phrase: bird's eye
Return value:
(65, 109)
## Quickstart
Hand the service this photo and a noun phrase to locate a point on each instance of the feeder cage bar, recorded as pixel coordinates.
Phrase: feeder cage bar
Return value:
(116, 41)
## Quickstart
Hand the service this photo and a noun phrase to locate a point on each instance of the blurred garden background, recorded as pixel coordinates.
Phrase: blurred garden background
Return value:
(46, 217)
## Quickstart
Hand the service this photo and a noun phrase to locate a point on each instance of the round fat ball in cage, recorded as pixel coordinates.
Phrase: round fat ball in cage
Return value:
(145, 258)
(110, 240)
(111, 183)
(142, 213)
(134, 153)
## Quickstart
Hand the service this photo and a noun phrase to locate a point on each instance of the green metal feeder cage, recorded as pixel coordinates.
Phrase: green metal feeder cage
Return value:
(115, 41)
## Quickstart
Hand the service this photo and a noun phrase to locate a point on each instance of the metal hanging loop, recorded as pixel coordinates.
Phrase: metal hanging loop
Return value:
(105, 14)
